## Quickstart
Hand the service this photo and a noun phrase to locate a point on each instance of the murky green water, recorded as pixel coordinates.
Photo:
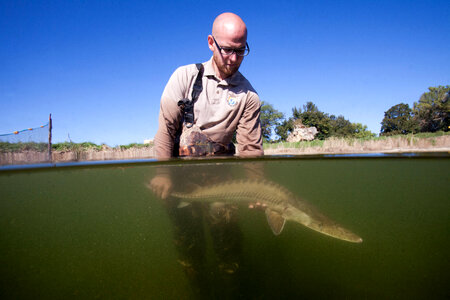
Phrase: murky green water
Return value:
(99, 232)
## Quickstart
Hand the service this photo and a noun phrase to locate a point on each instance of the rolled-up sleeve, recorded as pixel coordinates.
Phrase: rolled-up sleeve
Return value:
(248, 133)
(170, 114)
(168, 124)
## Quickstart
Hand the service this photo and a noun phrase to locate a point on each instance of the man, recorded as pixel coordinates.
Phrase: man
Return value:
(227, 103)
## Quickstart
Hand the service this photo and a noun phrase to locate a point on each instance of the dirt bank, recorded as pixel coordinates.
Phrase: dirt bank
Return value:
(389, 145)
(33, 157)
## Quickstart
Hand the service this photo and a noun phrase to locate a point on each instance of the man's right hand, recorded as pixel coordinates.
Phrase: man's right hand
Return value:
(161, 186)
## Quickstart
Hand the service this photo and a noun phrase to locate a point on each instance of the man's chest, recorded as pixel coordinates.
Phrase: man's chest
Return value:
(217, 102)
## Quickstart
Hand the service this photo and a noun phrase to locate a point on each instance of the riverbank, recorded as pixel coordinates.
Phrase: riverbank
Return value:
(395, 144)
(31, 156)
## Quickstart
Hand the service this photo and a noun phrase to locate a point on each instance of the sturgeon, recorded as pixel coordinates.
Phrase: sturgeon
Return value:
(281, 205)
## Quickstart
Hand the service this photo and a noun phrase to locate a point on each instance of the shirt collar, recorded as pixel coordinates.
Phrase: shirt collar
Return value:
(234, 79)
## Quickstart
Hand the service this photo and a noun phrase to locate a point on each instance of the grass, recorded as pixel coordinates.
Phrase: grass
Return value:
(16, 147)
(66, 146)
(134, 145)
(85, 146)
(411, 139)
(302, 144)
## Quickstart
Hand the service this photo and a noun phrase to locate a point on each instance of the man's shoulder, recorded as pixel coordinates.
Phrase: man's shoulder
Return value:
(183, 75)
(187, 69)
(243, 83)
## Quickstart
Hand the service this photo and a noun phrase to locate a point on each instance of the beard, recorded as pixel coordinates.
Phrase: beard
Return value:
(224, 68)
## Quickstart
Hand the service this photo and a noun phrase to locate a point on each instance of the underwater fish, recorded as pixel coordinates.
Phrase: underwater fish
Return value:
(280, 203)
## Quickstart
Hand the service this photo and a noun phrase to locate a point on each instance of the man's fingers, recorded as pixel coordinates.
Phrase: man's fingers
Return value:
(161, 186)
(165, 191)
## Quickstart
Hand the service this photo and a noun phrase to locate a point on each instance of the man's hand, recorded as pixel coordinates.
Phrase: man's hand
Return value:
(161, 186)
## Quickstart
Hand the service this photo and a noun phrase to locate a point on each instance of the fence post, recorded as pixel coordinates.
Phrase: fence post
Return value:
(50, 138)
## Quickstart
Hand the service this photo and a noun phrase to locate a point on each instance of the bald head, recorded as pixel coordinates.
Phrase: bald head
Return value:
(230, 26)
(228, 32)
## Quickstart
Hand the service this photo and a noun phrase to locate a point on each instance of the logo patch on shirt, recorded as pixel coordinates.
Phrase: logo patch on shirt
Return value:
(232, 100)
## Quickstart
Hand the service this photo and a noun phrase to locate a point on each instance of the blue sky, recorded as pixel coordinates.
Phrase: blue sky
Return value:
(100, 66)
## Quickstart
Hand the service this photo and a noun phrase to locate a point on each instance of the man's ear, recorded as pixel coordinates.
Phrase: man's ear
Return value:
(210, 43)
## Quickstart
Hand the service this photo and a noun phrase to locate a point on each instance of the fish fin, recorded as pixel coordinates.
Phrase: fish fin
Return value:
(183, 204)
(276, 221)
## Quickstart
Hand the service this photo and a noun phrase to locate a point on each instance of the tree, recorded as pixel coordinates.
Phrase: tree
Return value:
(341, 127)
(361, 131)
(432, 110)
(312, 116)
(284, 129)
(326, 125)
(270, 119)
(398, 120)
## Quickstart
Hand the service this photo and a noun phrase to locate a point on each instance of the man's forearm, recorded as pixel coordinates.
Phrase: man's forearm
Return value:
(163, 146)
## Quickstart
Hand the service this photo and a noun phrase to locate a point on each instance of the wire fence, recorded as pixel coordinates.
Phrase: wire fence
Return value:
(31, 145)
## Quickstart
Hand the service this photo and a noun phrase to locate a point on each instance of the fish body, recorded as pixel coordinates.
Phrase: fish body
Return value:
(281, 205)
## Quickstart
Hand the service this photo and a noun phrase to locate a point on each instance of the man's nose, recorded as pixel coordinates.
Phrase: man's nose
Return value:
(233, 57)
